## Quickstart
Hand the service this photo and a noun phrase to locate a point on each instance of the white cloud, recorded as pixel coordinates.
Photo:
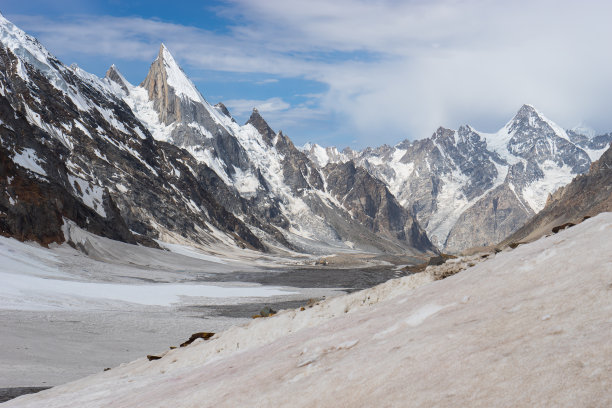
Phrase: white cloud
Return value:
(278, 113)
(240, 107)
(267, 81)
(394, 69)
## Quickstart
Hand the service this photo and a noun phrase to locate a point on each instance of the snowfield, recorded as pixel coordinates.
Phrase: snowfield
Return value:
(65, 315)
(528, 327)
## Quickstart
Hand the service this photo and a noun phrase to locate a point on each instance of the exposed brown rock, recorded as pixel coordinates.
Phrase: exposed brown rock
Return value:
(199, 335)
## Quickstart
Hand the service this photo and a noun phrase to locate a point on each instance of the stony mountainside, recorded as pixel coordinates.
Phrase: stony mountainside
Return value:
(260, 175)
(469, 188)
(157, 161)
(586, 196)
(71, 149)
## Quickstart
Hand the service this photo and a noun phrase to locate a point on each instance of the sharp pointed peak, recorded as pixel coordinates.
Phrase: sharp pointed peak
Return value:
(528, 108)
(256, 116)
(113, 74)
(113, 69)
(164, 53)
(174, 75)
(260, 124)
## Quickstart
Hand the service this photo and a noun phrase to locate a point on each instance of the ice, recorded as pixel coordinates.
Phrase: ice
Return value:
(555, 177)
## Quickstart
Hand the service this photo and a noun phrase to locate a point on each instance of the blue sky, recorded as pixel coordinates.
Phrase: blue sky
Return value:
(353, 72)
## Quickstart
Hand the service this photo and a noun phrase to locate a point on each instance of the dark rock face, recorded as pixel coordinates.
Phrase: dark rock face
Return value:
(262, 126)
(98, 167)
(371, 203)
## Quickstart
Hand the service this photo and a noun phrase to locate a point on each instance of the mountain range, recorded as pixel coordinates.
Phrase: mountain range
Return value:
(469, 188)
(157, 162)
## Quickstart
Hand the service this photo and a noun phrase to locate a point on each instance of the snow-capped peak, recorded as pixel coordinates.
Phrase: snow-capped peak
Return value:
(115, 77)
(26, 48)
(530, 116)
(176, 78)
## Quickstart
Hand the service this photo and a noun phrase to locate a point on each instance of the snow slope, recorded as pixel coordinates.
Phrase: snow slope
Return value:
(529, 327)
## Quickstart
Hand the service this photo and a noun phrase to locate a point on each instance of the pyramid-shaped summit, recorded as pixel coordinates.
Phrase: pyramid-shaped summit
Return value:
(166, 74)
(116, 77)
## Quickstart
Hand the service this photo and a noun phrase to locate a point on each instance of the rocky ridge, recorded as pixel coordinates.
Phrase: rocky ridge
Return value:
(468, 188)
(259, 173)
(158, 162)
(586, 196)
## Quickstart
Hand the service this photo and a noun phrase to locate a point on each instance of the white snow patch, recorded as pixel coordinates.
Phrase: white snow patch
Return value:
(245, 182)
(91, 194)
(29, 160)
(417, 317)
(554, 177)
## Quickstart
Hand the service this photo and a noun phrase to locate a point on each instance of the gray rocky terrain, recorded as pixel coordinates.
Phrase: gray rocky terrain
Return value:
(468, 188)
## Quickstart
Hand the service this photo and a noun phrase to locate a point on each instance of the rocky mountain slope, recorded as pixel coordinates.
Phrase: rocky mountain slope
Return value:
(469, 188)
(586, 196)
(526, 327)
(71, 149)
(157, 161)
(264, 178)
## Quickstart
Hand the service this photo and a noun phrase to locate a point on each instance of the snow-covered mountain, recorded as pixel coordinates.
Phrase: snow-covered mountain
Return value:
(469, 188)
(280, 188)
(157, 161)
(586, 196)
(70, 149)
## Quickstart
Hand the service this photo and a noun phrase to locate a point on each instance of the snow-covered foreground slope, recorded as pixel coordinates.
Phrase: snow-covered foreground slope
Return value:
(65, 315)
(529, 327)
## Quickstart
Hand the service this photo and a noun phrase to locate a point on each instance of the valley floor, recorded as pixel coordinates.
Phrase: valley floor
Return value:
(65, 315)
(528, 327)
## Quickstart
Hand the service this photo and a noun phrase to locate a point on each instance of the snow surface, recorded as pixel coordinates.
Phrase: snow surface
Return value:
(65, 315)
(28, 159)
(529, 327)
(555, 177)
(177, 79)
(33, 279)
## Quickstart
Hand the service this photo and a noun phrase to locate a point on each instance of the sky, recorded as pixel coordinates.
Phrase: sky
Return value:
(353, 72)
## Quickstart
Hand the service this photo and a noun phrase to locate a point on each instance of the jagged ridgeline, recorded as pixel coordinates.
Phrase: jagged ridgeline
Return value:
(469, 188)
(157, 161)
